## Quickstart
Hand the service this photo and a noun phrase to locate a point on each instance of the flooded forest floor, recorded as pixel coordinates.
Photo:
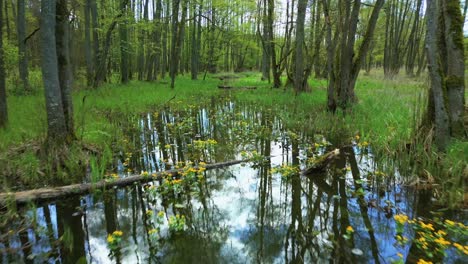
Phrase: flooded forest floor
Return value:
(384, 197)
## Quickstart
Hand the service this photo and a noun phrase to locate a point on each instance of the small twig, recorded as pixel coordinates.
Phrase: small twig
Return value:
(31, 35)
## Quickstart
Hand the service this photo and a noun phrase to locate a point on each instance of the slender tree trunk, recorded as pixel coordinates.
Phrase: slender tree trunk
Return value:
(175, 26)
(195, 49)
(56, 125)
(123, 44)
(95, 25)
(62, 37)
(7, 21)
(275, 67)
(22, 55)
(88, 46)
(3, 101)
(300, 81)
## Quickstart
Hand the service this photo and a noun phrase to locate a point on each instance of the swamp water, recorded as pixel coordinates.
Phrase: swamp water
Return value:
(263, 211)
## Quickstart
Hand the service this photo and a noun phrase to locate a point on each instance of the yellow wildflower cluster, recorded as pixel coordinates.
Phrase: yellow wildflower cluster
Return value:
(426, 226)
(117, 233)
(114, 238)
(441, 241)
(149, 212)
(144, 174)
(160, 214)
(401, 239)
(422, 261)
(401, 218)
(349, 229)
(176, 181)
(461, 248)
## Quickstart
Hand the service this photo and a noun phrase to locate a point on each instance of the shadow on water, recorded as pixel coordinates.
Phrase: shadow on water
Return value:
(240, 214)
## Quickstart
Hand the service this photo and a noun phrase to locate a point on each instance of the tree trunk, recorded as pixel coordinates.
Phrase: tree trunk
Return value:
(123, 45)
(300, 81)
(437, 108)
(455, 75)
(7, 22)
(174, 46)
(275, 67)
(88, 47)
(62, 38)
(3, 102)
(95, 25)
(56, 125)
(22, 55)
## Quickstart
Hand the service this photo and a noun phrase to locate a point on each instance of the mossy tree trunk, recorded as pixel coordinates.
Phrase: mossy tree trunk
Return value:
(455, 74)
(445, 58)
(3, 102)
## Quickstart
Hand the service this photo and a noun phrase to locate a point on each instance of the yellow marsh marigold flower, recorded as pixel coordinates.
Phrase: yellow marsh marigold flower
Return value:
(117, 233)
(426, 226)
(442, 241)
(160, 214)
(149, 212)
(401, 218)
(110, 239)
(422, 261)
(349, 229)
(450, 223)
(400, 255)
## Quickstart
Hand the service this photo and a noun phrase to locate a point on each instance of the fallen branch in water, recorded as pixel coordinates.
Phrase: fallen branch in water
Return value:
(321, 163)
(43, 194)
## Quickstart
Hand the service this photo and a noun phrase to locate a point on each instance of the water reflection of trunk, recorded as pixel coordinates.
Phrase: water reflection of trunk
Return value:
(110, 214)
(295, 229)
(70, 225)
(265, 188)
(343, 246)
(162, 138)
(349, 152)
(55, 251)
(423, 202)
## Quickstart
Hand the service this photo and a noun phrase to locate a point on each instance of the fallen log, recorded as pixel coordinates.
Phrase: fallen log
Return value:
(43, 194)
(321, 163)
(224, 87)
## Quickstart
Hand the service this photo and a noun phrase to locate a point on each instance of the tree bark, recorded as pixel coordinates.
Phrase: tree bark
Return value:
(3, 101)
(22, 55)
(62, 38)
(123, 45)
(437, 108)
(56, 126)
(88, 46)
(300, 81)
(455, 75)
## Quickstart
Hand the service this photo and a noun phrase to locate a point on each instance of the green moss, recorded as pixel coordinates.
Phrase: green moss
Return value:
(456, 27)
(454, 81)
